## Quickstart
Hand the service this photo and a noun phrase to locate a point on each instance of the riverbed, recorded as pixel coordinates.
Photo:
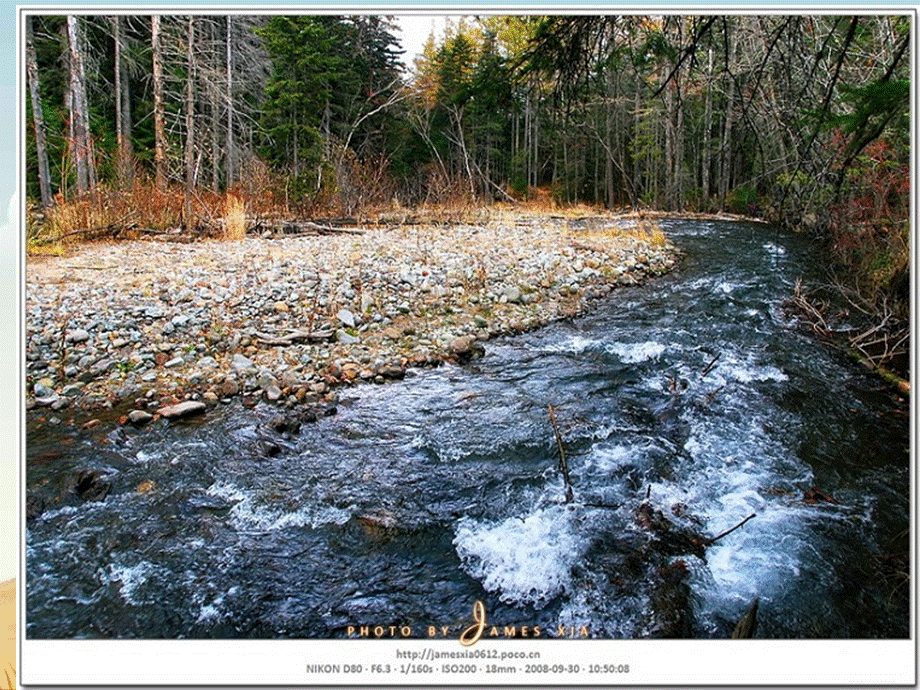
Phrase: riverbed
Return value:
(683, 406)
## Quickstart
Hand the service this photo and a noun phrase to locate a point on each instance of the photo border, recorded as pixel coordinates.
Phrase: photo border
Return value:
(262, 663)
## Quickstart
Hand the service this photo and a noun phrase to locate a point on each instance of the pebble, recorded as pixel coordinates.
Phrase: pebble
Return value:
(343, 337)
(390, 299)
(346, 318)
(241, 363)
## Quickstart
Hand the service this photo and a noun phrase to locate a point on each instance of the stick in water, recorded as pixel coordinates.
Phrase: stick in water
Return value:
(563, 464)
(727, 532)
(710, 366)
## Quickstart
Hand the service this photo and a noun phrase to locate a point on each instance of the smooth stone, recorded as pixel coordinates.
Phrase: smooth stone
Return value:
(44, 389)
(344, 338)
(78, 335)
(346, 318)
(462, 344)
(241, 362)
(183, 409)
(138, 417)
(102, 366)
(512, 295)
(229, 388)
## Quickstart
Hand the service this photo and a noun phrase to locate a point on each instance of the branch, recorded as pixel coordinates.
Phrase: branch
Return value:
(563, 464)
(394, 98)
(688, 51)
(710, 542)
(293, 336)
(710, 366)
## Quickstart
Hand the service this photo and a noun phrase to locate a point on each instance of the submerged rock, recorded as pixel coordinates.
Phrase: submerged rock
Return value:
(35, 506)
(92, 486)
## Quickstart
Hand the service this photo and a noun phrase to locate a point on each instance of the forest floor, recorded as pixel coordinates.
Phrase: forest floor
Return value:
(142, 325)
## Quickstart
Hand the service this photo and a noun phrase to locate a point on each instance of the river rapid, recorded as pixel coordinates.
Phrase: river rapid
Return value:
(683, 406)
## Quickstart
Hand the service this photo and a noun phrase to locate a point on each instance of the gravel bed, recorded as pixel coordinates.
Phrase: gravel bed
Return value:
(148, 324)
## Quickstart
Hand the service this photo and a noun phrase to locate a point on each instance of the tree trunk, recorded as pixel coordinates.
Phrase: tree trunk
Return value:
(190, 128)
(725, 149)
(38, 119)
(706, 154)
(122, 112)
(159, 123)
(228, 154)
(677, 164)
(81, 144)
(610, 134)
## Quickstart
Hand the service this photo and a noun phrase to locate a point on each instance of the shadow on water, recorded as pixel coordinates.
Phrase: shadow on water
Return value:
(684, 406)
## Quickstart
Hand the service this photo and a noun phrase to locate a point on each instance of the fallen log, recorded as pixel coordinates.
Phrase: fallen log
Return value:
(902, 385)
(309, 227)
(293, 336)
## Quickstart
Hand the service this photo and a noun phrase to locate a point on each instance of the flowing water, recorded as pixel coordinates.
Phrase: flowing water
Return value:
(694, 398)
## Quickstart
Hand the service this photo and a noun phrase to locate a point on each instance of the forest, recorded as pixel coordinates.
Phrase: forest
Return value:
(143, 123)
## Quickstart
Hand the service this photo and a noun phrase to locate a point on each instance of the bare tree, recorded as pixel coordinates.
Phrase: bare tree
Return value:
(188, 214)
(81, 146)
(38, 119)
(159, 118)
(122, 110)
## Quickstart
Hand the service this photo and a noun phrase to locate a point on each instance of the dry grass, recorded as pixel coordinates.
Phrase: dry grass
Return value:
(235, 218)
(643, 230)
(649, 231)
(104, 211)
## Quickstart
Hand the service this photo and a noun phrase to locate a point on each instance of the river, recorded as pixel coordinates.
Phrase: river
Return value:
(683, 406)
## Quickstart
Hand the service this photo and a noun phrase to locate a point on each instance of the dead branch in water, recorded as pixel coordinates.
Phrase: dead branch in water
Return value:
(563, 463)
(605, 506)
(713, 540)
(873, 348)
(711, 365)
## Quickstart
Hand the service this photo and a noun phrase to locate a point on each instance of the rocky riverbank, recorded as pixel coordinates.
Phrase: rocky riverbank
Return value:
(146, 325)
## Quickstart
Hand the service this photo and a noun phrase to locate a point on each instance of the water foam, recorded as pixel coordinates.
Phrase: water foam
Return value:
(576, 344)
(526, 560)
(130, 578)
(215, 609)
(628, 353)
(605, 458)
(246, 514)
(632, 353)
(747, 370)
